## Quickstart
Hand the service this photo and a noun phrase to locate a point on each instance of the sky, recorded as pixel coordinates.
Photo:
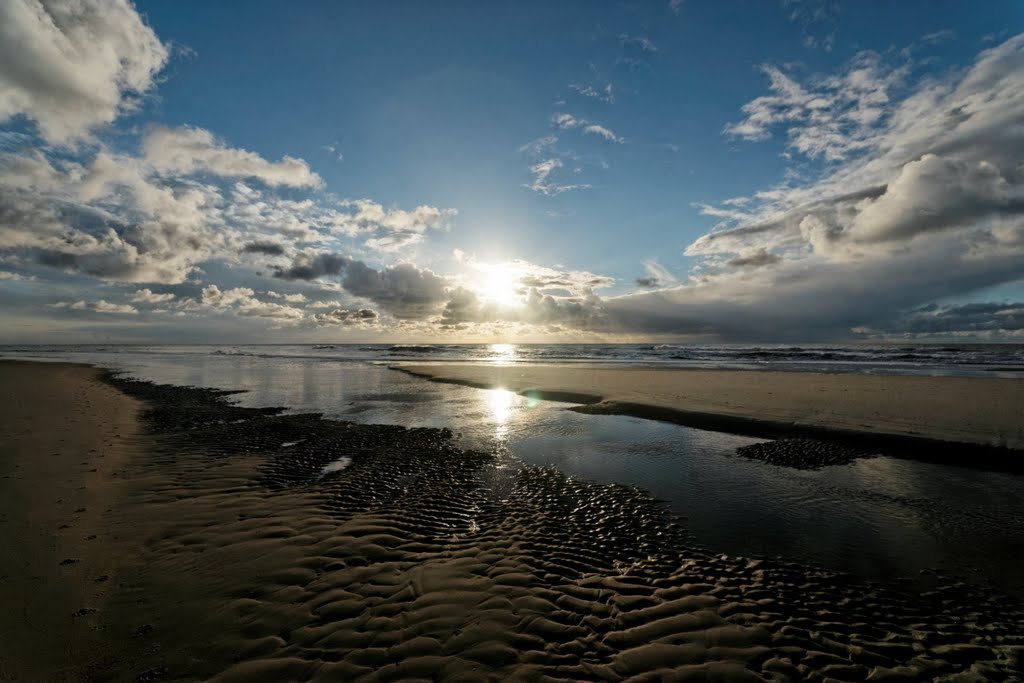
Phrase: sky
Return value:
(740, 172)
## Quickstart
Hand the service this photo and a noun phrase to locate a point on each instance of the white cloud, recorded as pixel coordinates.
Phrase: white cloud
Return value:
(146, 296)
(185, 150)
(605, 93)
(543, 183)
(296, 298)
(72, 66)
(243, 302)
(931, 205)
(568, 121)
(832, 117)
(100, 306)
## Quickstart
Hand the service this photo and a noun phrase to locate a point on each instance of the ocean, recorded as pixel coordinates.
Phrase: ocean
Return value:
(878, 518)
(989, 360)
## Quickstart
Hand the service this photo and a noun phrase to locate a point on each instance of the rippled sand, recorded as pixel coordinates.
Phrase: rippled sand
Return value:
(238, 558)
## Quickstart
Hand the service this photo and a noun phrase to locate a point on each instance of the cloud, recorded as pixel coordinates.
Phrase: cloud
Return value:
(335, 151)
(309, 265)
(755, 259)
(928, 207)
(265, 247)
(341, 316)
(465, 307)
(212, 295)
(146, 296)
(542, 182)
(657, 276)
(641, 43)
(186, 150)
(568, 121)
(605, 93)
(15, 277)
(817, 18)
(296, 298)
(74, 66)
(831, 117)
(243, 302)
(100, 306)
(402, 289)
(988, 320)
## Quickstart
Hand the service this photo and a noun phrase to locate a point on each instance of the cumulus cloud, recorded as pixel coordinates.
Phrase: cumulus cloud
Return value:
(243, 302)
(402, 289)
(296, 298)
(147, 296)
(100, 306)
(465, 307)
(186, 150)
(922, 201)
(72, 66)
(342, 316)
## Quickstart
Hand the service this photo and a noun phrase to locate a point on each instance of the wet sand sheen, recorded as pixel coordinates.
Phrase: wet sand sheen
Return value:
(966, 410)
(247, 562)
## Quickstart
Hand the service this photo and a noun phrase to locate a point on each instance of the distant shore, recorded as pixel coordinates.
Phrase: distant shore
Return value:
(985, 412)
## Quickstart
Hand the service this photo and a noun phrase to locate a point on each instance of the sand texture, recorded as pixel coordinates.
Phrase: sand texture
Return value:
(967, 410)
(241, 559)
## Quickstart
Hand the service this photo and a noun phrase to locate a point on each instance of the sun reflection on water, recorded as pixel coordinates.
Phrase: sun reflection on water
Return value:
(501, 354)
(500, 405)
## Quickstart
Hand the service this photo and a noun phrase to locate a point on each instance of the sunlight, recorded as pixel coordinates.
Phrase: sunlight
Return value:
(501, 286)
(500, 354)
(500, 404)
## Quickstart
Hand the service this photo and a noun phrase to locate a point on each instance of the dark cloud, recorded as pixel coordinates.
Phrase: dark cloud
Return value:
(263, 247)
(648, 282)
(966, 318)
(403, 290)
(312, 266)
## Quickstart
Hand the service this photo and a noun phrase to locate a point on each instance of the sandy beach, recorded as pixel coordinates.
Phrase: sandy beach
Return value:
(245, 544)
(965, 410)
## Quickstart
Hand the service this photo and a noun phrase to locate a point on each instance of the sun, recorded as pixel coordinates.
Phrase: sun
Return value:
(501, 286)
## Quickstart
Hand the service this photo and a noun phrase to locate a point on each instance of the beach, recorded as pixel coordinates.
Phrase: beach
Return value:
(242, 543)
(964, 410)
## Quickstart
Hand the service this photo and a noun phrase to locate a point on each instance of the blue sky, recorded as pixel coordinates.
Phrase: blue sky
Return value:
(746, 171)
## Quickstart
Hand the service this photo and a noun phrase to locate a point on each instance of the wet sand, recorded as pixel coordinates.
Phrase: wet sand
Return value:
(232, 555)
(962, 410)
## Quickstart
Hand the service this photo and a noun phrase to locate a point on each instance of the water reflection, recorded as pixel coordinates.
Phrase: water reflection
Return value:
(502, 354)
(500, 405)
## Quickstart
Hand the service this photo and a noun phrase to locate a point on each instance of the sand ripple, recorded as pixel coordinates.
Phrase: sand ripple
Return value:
(409, 565)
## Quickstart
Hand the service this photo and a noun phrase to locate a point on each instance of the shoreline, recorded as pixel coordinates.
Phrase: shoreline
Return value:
(976, 422)
(246, 560)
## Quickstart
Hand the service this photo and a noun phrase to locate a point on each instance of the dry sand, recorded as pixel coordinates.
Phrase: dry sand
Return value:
(231, 557)
(987, 411)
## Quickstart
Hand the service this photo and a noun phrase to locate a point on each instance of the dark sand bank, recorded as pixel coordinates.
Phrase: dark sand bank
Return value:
(231, 555)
